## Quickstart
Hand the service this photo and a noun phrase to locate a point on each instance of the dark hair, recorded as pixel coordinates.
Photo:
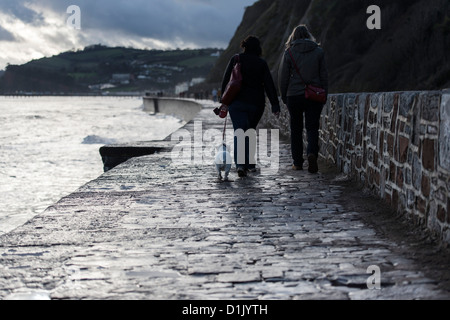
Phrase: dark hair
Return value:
(252, 45)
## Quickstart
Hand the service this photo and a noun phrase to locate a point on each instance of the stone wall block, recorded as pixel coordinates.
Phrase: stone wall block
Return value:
(428, 154)
(407, 102)
(402, 150)
(448, 210)
(394, 114)
(430, 105)
(416, 172)
(390, 144)
(362, 107)
(376, 100)
(425, 186)
(444, 133)
(414, 119)
(389, 98)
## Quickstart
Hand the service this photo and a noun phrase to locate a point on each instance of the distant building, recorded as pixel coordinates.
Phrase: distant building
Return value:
(101, 86)
(162, 80)
(121, 78)
(195, 81)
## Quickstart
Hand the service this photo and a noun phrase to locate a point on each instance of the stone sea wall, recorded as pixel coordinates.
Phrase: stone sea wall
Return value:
(397, 144)
(183, 109)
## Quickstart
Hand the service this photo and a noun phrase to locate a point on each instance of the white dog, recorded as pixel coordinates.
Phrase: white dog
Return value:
(223, 161)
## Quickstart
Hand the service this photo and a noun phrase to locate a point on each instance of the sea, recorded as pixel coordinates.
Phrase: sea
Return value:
(49, 146)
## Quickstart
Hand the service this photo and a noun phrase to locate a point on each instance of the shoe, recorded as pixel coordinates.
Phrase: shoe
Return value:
(312, 163)
(241, 172)
(294, 167)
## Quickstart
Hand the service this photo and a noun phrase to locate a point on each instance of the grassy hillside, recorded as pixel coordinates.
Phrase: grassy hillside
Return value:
(410, 52)
(113, 69)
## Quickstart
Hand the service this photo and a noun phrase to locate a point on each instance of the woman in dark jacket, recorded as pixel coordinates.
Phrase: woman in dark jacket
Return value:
(248, 107)
(309, 58)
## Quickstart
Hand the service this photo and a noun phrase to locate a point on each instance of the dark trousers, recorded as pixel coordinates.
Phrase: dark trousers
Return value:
(244, 116)
(297, 106)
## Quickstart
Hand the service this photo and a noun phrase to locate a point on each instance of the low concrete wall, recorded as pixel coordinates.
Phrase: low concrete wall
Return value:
(185, 110)
(397, 144)
(115, 154)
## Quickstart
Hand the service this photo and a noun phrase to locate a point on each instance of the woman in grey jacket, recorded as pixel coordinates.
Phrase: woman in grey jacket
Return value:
(309, 58)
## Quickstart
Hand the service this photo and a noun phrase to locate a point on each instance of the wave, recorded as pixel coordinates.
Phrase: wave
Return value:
(94, 139)
(34, 117)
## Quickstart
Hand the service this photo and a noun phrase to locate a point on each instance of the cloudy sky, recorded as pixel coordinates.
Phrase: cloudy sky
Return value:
(32, 29)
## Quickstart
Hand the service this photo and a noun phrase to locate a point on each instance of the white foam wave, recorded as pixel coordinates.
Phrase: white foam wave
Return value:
(94, 139)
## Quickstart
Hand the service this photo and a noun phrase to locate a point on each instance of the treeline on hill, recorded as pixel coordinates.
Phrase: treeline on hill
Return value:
(99, 68)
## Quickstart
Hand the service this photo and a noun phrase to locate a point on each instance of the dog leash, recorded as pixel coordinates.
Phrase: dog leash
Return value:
(224, 129)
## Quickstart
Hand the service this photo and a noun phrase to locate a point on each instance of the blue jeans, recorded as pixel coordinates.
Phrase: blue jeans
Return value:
(244, 116)
(297, 105)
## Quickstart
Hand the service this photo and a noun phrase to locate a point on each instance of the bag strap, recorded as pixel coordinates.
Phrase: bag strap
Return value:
(237, 60)
(295, 65)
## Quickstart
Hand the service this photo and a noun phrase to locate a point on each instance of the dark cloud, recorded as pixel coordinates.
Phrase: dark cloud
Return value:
(19, 10)
(5, 35)
(192, 21)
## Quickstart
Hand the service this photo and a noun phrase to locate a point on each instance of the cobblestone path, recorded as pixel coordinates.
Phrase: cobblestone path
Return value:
(149, 229)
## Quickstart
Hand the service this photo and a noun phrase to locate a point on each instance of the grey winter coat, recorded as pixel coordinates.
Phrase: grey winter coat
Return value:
(309, 58)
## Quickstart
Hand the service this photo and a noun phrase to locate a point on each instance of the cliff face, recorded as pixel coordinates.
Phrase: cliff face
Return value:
(410, 52)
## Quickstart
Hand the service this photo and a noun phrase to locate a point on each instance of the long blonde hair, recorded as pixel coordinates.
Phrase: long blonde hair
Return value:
(299, 32)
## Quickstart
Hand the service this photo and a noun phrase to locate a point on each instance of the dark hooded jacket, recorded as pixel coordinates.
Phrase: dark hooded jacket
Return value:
(256, 81)
(309, 58)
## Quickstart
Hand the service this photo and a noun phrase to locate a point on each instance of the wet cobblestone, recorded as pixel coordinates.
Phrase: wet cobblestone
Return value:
(151, 230)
